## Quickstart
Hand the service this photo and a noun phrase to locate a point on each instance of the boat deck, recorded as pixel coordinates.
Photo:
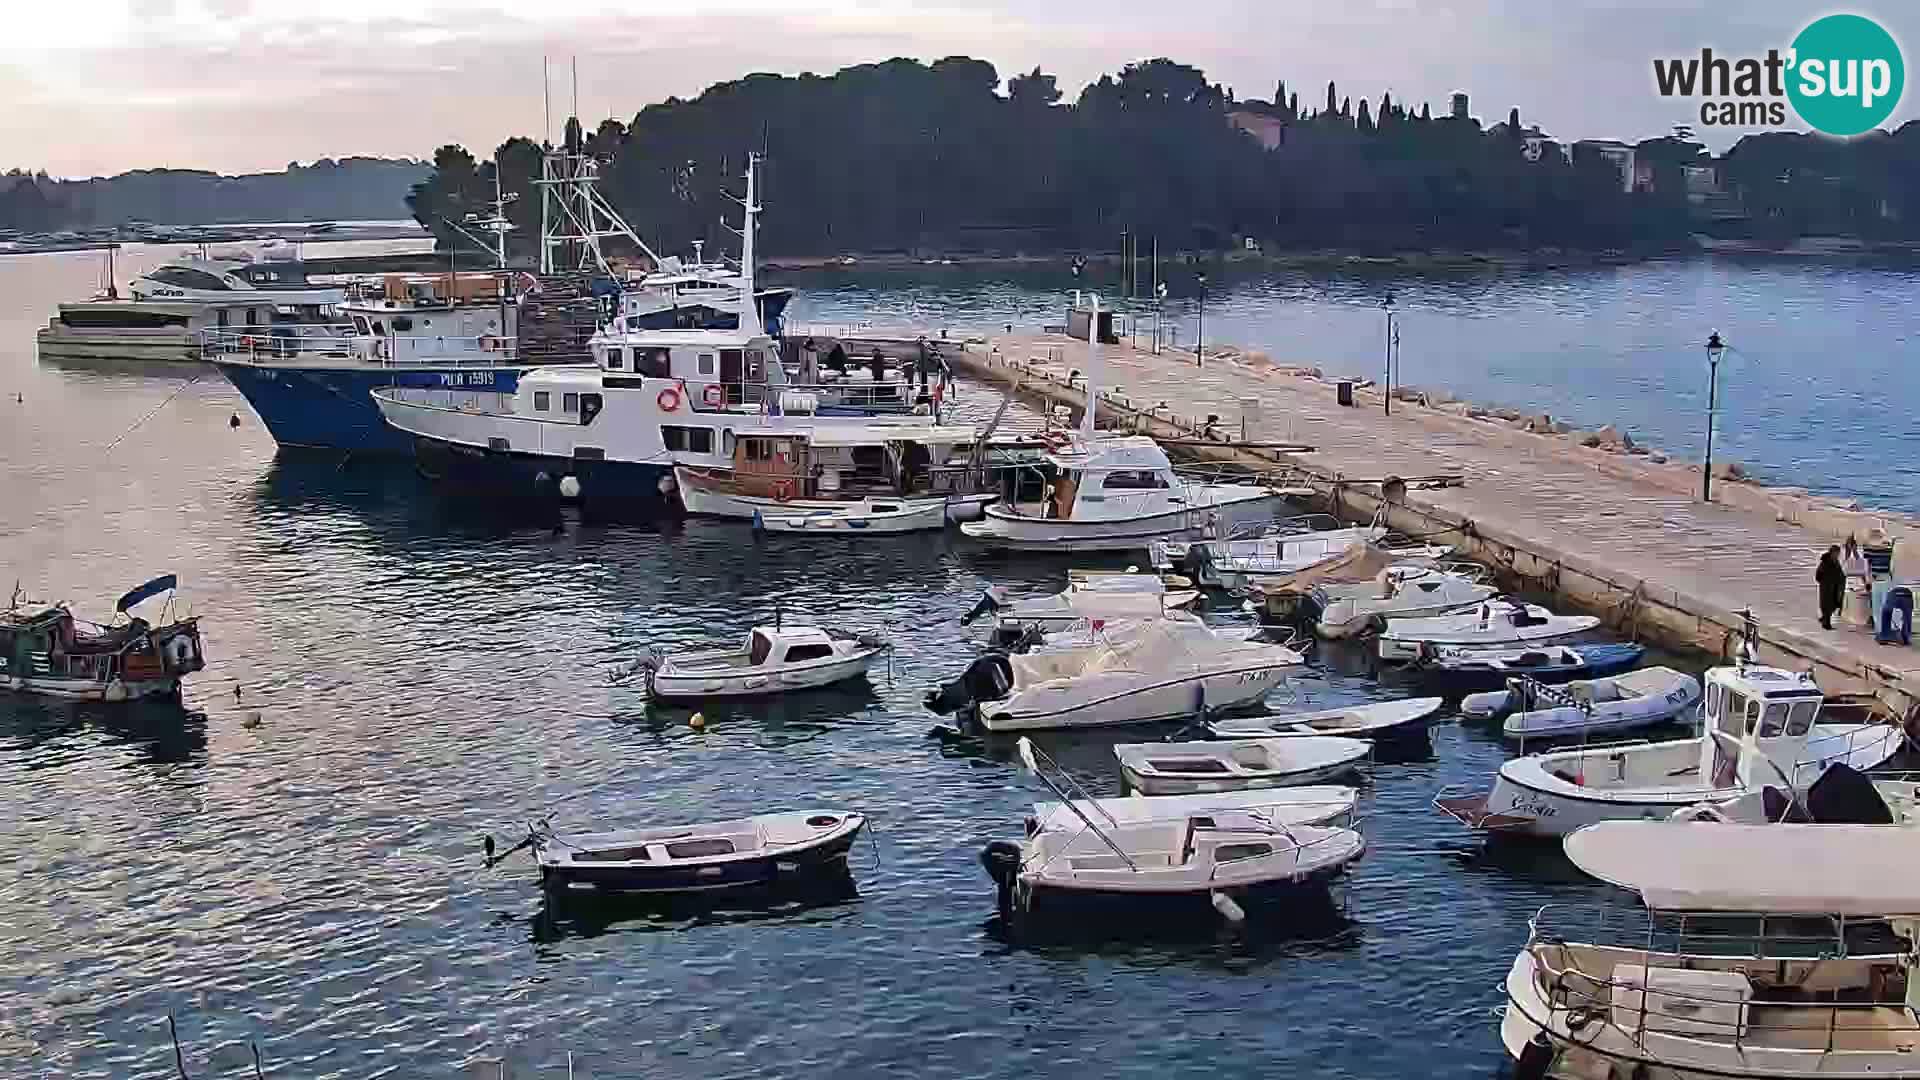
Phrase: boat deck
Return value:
(1615, 534)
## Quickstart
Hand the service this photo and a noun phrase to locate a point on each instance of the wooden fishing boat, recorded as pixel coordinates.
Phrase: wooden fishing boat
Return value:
(44, 649)
(866, 516)
(1314, 804)
(757, 851)
(1177, 768)
(1380, 721)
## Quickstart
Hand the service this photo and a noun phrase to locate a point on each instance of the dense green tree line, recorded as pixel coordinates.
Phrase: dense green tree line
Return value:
(327, 190)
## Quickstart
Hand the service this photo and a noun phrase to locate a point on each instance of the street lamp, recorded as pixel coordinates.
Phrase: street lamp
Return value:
(1386, 400)
(1715, 348)
(1200, 343)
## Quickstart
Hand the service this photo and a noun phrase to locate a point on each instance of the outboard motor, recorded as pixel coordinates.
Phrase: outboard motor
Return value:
(987, 679)
(1002, 860)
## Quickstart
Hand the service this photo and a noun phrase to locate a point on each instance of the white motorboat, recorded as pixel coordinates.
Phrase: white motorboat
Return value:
(1493, 622)
(1321, 804)
(1605, 706)
(1400, 591)
(1179, 768)
(1799, 964)
(1090, 597)
(771, 660)
(1760, 730)
(763, 851)
(866, 516)
(1168, 670)
(1381, 720)
(1280, 547)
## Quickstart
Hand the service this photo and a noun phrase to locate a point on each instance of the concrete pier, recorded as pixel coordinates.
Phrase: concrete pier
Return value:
(1603, 532)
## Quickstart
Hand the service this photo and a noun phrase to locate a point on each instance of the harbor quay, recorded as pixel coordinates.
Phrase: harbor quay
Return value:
(1625, 536)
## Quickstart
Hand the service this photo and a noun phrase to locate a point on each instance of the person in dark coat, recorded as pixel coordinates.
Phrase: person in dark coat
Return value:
(1833, 583)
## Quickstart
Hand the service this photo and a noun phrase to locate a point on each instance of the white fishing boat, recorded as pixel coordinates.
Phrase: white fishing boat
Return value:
(1400, 591)
(1768, 951)
(1584, 707)
(1091, 597)
(1318, 804)
(1168, 670)
(1383, 720)
(1180, 768)
(865, 517)
(1210, 863)
(1281, 549)
(1759, 729)
(771, 660)
(1493, 622)
(757, 852)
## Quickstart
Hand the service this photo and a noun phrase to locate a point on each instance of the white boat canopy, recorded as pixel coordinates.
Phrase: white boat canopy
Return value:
(1851, 870)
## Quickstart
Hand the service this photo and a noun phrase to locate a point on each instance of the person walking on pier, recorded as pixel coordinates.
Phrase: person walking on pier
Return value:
(1833, 583)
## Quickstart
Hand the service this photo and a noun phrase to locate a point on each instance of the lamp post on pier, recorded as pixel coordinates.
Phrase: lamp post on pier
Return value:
(1200, 342)
(1715, 349)
(1386, 399)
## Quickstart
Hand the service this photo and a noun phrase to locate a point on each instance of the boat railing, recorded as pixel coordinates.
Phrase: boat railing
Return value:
(1855, 740)
(277, 341)
(259, 345)
(1579, 998)
(1290, 526)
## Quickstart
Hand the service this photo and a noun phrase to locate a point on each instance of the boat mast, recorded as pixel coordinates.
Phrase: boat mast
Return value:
(1093, 365)
(749, 309)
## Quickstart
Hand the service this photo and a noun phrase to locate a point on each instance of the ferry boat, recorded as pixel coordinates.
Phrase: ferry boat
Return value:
(173, 304)
(45, 650)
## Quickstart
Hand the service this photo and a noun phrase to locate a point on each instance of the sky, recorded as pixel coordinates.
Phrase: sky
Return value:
(94, 87)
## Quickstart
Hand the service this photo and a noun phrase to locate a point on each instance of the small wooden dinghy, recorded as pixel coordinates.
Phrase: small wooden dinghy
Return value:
(1179, 768)
(1617, 703)
(1465, 669)
(751, 852)
(1380, 721)
(772, 660)
(1321, 804)
(867, 516)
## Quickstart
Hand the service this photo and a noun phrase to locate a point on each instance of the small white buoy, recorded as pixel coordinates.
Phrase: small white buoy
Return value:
(697, 720)
(251, 720)
(1228, 910)
(570, 487)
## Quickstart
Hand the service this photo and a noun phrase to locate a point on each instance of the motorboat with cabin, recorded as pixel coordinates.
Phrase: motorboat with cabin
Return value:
(766, 851)
(1496, 621)
(1208, 863)
(171, 306)
(1767, 951)
(770, 660)
(1181, 768)
(45, 650)
(1167, 669)
(1400, 591)
(1760, 727)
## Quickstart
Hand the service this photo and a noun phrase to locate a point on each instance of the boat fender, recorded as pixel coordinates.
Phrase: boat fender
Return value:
(570, 487)
(1001, 858)
(1535, 1058)
(697, 721)
(1230, 911)
(668, 400)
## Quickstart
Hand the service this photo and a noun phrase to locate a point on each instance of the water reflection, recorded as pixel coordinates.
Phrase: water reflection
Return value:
(157, 731)
(812, 899)
(1303, 926)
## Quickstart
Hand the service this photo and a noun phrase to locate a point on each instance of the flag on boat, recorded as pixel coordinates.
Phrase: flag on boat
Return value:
(163, 583)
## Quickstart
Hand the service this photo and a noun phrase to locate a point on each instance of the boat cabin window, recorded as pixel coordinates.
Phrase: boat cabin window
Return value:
(814, 651)
(616, 359)
(360, 325)
(653, 363)
(1230, 852)
(188, 278)
(706, 363)
(540, 399)
(253, 316)
(760, 648)
(1733, 717)
(570, 403)
(1801, 716)
(756, 361)
(692, 440)
(1135, 480)
(699, 849)
(402, 324)
(379, 328)
(589, 408)
(1773, 720)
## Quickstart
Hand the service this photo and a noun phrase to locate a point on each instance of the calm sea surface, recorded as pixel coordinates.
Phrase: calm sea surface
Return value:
(426, 674)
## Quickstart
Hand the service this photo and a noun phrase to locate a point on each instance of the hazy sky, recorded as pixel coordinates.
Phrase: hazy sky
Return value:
(99, 86)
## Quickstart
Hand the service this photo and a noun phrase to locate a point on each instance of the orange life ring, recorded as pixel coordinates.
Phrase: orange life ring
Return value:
(713, 396)
(782, 490)
(668, 400)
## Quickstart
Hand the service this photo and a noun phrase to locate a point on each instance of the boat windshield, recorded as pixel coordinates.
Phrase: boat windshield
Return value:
(1800, 718)
(759, 649)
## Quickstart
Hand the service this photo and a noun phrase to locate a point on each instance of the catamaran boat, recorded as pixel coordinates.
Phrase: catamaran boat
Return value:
(1493, 622)
(175, 302)
(1760, 729)
(44, 649)
(1166, 670)
(1769, 951)
(1400, 591)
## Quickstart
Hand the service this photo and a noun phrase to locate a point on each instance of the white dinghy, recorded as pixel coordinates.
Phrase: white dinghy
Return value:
(1208, 861)
(867, 516)
(1315, 804)
(1163, 670)
(1493, 622)
(1181, 768)
(1379, 721)
(1399, 591)
(1800, 963)
(771, 660)
(1759, 731)
(1617, 703)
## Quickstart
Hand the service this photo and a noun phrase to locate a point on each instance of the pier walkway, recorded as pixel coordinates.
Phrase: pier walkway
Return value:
(1607, 532)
